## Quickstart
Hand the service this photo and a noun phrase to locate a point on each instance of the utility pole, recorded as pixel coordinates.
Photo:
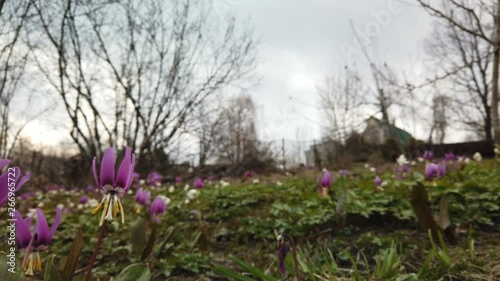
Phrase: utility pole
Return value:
(283, 153)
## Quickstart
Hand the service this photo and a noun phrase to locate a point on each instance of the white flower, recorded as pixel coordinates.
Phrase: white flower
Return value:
(71, 205)
(186, 201)
(92, 203)
(413, 163)
(496, 150)
(224, 183)
(31, 213)
(190, 170)
(467, 160)
(40, 205)
(372, 169)
(287, 174)
(367, 166)
(129, 191)
(142, 182)
(166, 199)
(192, 193)
(278, 183)
(157, 183)
(420, 159)
(477, 156)
(384, 184)
(171, 189)
(256, 181)
(186, 187)
(60, 206)
(80, 206)
(402, 160)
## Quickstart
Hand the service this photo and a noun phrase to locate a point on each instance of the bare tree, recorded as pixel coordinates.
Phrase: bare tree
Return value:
(479, 19)
(450, 48)
(236, 140)
(341, 97)
(131, 72)
(13, 61)
(207, 127)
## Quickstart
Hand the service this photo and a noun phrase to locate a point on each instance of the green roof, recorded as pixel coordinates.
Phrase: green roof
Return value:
(395, 133)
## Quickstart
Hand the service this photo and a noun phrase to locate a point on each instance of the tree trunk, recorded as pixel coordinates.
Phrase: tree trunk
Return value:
(494, 92)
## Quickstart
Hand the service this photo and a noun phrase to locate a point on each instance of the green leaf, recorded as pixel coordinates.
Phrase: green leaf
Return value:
(253, 270)
(135, 272)
(151, 243)
(231, 275)
(11, 269)
(138, 235)
(74, 253)
(51, 273)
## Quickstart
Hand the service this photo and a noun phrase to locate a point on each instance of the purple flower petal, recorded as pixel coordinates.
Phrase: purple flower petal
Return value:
(124, 172)
(3, 163)
(23, 233)
(108, 168)
(23, 180)
(41, 229)
(130, 175)
(4, 188)
(54, 226)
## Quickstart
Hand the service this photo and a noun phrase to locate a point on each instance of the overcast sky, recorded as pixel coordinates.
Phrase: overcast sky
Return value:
(302, 41)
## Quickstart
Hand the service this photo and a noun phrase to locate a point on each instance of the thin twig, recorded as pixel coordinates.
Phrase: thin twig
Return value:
(96, 250)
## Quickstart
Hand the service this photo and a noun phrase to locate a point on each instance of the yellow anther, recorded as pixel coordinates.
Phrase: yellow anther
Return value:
(97, 208)
(115, 209)
(122, 212)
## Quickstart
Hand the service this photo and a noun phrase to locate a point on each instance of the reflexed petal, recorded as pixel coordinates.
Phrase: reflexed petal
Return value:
(124, 172)
(4, 188)
(22, 231)
(54, 226)
(3, 163)
(130, 176)
(108, 167)
(23, 180)
(94, 170)
(41, 229)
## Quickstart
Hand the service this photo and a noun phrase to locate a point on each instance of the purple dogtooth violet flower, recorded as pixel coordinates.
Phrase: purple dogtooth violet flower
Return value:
(159, 206)
(449, 157)
(377, 181)
(142, 197)
(325, 182)
(178, 179)
(154, 179)
(198, 183)
(111, 187)
(344, 173)
(10, 182)
(282, 252)
(248, 174)
(435, 171)
(32, 242)
(427, 156)
(84, 199)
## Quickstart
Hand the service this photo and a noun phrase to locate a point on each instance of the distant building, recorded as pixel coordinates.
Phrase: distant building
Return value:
(323, 151)
(378, 132)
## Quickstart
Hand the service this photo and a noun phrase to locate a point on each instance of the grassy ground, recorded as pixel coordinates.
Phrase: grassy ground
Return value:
(355, 233)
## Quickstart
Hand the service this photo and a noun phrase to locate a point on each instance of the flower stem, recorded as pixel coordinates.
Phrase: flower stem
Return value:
(298, 275)
(96, 250)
